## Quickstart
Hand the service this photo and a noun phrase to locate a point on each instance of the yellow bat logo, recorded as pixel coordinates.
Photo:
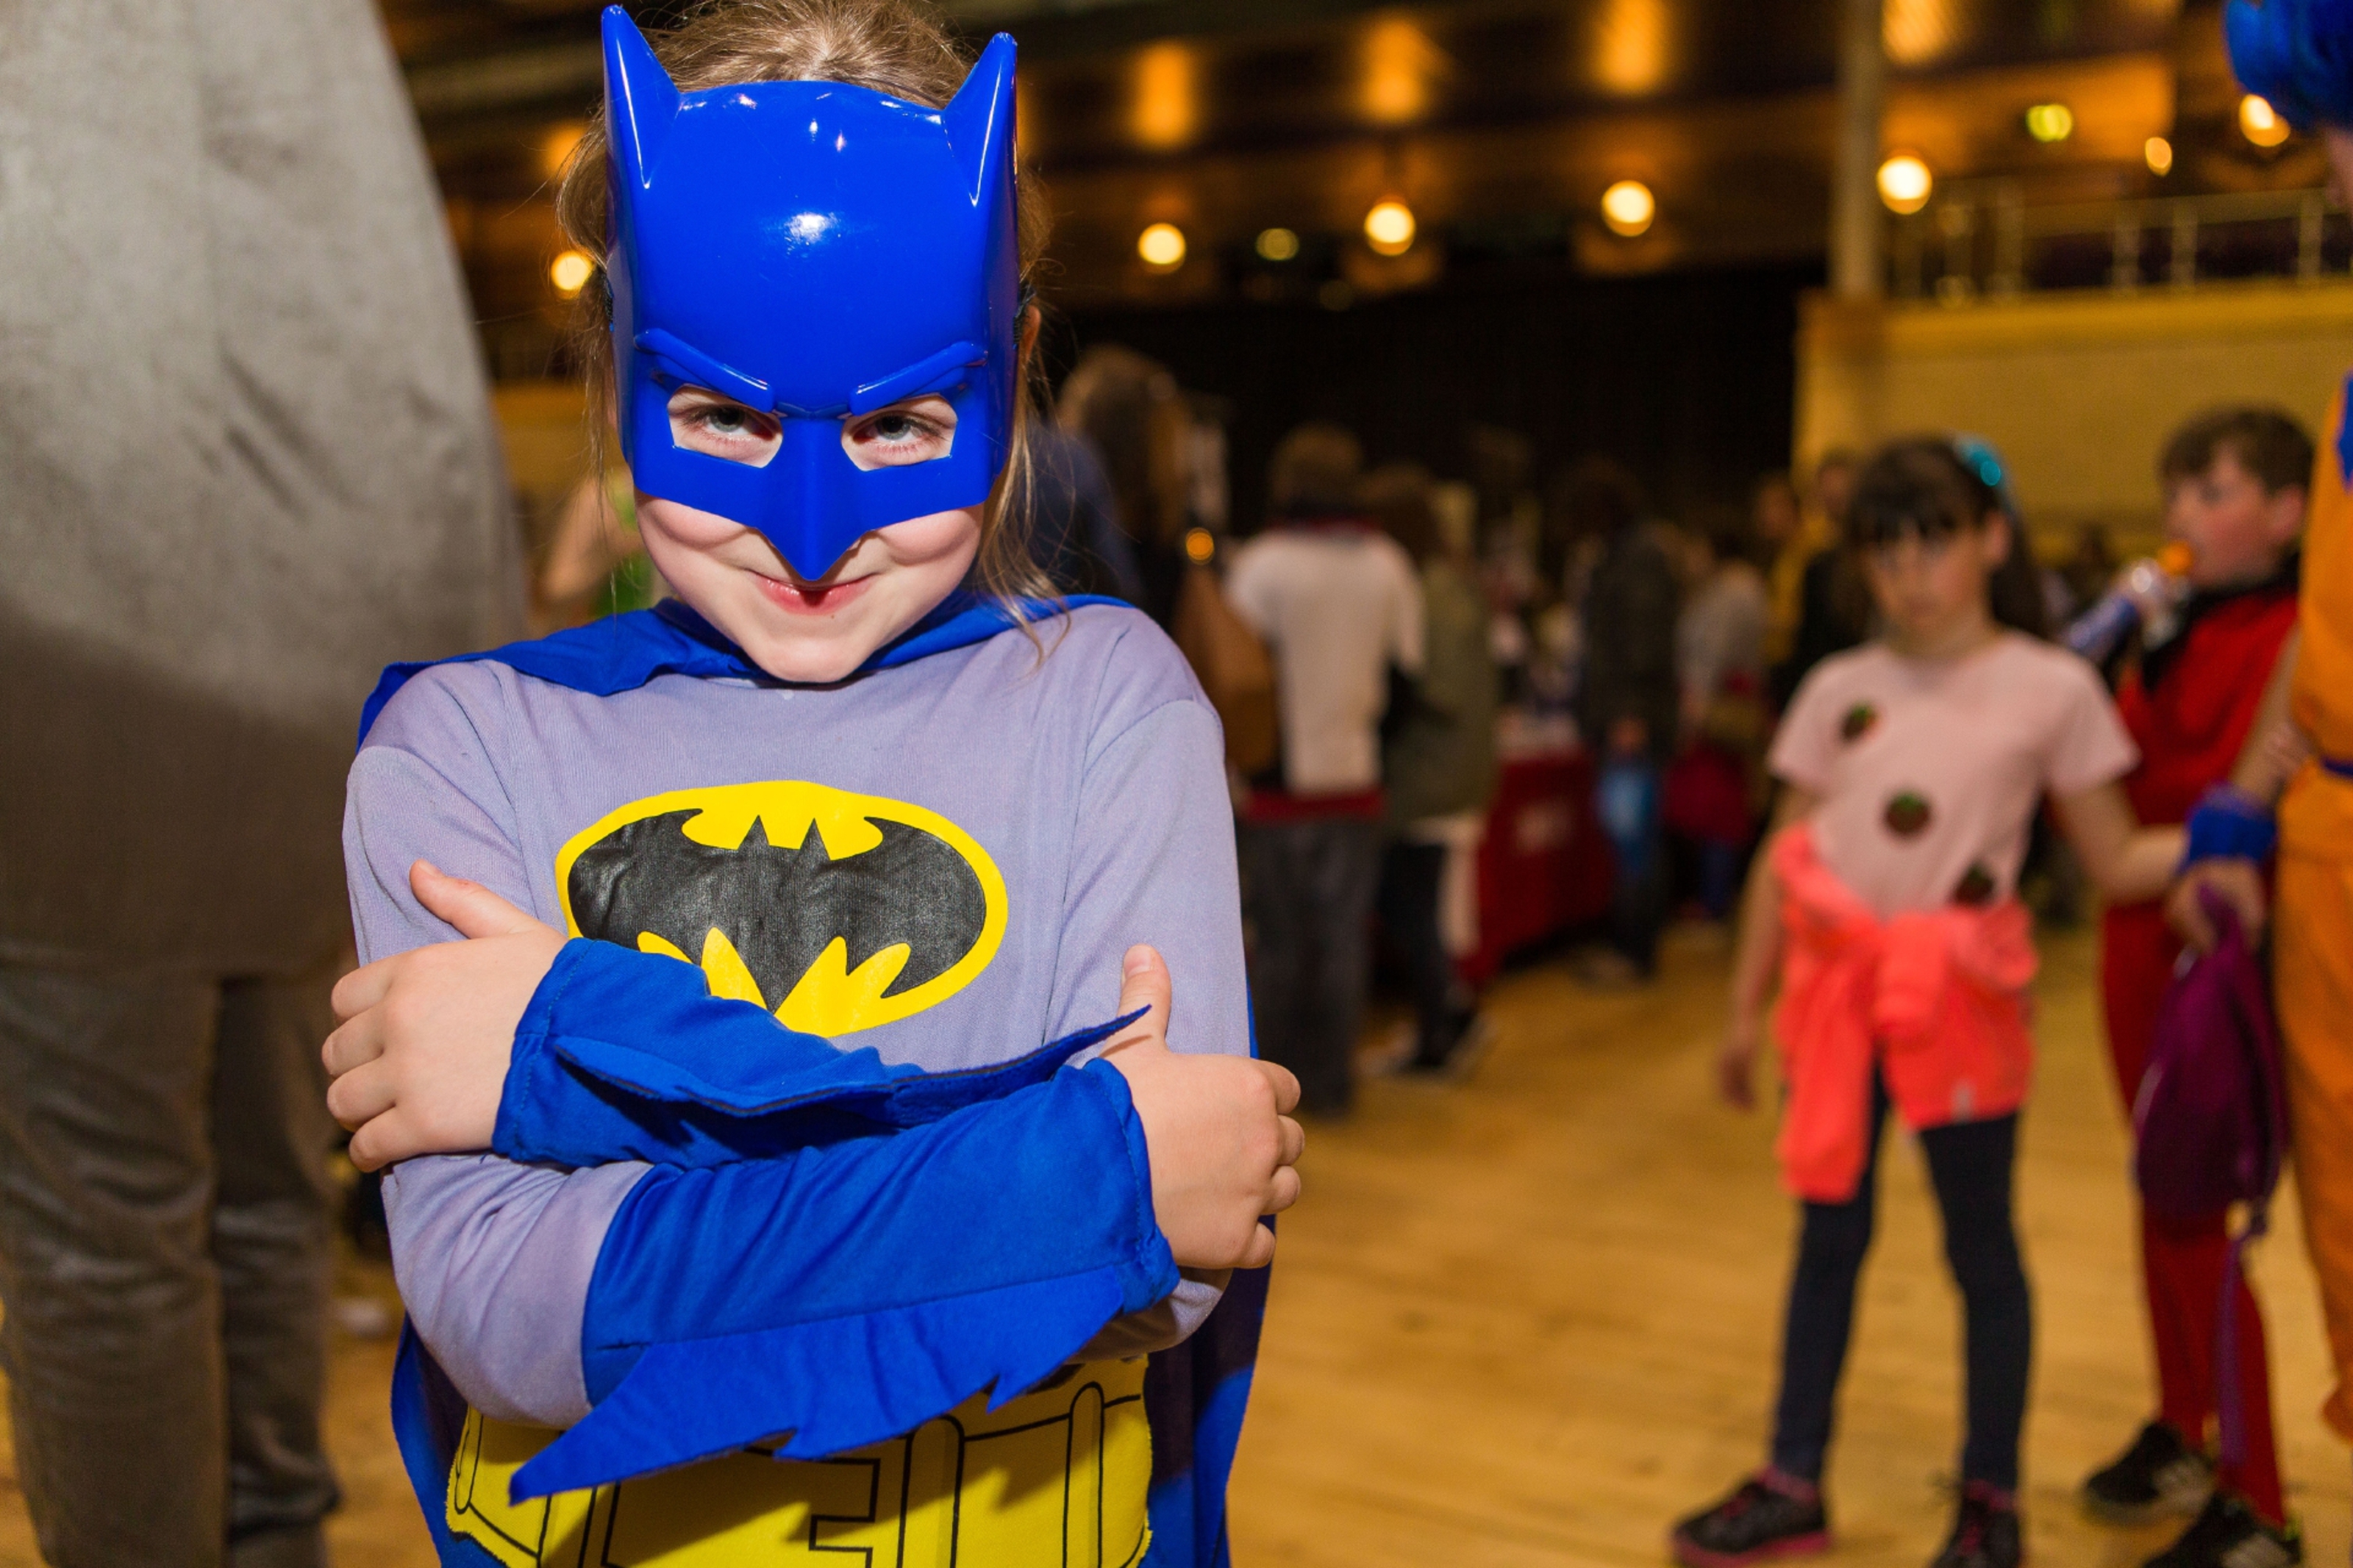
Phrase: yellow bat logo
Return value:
(835, 912)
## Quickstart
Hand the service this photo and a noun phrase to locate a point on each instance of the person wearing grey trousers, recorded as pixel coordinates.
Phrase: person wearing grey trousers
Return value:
(248, 460)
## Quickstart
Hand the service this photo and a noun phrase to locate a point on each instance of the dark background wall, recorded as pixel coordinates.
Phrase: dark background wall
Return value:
(1687, 378)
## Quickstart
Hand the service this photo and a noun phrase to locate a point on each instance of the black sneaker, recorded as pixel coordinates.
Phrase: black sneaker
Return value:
(1985, 1532)
(2229, 1534)
(1460, 1056)
(2160, 1474)
(1769, 1515)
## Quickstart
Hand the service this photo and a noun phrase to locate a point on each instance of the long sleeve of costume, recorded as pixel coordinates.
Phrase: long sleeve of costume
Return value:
(1153, 860)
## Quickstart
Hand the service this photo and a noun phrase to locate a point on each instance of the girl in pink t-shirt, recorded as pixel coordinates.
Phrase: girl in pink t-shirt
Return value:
(1886, 904)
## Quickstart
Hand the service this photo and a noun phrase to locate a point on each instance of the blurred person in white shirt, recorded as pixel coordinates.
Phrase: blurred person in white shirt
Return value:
(1339, 605)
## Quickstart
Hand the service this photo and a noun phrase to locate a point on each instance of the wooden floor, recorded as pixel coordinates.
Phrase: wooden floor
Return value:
(1530, 1319)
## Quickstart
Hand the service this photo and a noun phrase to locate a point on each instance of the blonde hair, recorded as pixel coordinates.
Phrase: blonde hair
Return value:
(896, 47)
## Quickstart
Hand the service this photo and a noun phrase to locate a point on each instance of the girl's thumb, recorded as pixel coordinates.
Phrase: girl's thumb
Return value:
(1143, 983)
(473, 909)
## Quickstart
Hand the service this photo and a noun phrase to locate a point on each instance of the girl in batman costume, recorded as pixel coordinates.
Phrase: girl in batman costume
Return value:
(756, 1223)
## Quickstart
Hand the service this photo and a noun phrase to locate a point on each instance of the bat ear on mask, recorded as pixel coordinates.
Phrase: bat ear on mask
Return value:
(643, 99)
(980, 119)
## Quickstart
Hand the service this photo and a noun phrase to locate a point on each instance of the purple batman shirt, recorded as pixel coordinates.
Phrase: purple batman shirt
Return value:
(945, 860)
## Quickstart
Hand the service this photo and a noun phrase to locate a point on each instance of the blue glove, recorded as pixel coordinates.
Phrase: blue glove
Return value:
(849, 1293)
(627, 1056)
(2229, 823)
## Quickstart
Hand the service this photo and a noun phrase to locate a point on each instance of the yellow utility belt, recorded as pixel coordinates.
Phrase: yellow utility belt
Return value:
(1055, 1480)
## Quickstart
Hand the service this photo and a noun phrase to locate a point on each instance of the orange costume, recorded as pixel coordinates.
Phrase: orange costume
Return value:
(2313, 951)
(1936, 998)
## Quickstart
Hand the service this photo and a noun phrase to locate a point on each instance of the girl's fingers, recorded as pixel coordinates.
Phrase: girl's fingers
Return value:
(1286, 1086)
(364, 987)
(1260, 1250)
(361, 1095)
(473, 909)
(1293, 1138)
(380, 1142)
(358, 1040)
(1283, 1191)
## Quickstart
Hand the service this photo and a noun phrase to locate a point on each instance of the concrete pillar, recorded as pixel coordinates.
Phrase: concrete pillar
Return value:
(1858, 269)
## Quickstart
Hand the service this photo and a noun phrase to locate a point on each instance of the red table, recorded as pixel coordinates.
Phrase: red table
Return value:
(1545, 865)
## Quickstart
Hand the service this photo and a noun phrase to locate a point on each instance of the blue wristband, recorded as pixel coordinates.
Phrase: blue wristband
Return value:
(2229, 823)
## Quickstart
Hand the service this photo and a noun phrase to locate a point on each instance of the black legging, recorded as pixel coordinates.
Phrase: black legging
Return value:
(1971, 1163)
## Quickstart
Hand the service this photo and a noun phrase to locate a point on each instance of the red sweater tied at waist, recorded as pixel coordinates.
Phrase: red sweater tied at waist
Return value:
(1935, 998)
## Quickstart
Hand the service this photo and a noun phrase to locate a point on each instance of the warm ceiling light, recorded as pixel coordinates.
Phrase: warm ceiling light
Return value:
(1162, 247)
(1904, 183)
(1628, 208)
(1401, 70)
(2051, 123)
(1277, 244)
(2260, 123)
(2158, 153)
(570, 272)
(1388, 227)
(1916, 31)
(1632, 42)
(1167, 107)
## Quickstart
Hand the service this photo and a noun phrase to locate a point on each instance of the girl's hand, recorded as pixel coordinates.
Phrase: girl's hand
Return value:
(1223, 1147)
(2241, 883)
(1735, 1061)
(419, 1061)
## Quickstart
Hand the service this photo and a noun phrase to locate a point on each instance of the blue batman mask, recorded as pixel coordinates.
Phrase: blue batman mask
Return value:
(815, 251)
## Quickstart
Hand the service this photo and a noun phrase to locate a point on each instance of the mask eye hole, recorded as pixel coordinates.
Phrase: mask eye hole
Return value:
(919, 430)
(704, 421)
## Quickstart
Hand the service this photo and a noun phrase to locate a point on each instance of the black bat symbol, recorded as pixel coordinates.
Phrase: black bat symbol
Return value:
(782, 907)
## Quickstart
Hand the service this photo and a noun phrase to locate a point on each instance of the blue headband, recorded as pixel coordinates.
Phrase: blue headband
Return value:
(816, 251)
(2296, 55)
(1977, 455)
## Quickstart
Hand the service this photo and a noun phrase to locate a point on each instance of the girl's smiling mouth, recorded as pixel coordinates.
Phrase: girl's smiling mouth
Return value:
(811, 599)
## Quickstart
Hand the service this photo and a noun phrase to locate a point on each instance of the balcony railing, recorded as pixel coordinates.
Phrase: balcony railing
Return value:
(1983, 240)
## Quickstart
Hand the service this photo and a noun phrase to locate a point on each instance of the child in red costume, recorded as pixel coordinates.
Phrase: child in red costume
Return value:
(2234, 483)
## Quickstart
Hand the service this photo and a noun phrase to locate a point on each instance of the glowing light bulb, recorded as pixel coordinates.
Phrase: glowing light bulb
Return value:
(1904, 183)
(1199, 545)
(2051, 123)
(2260, 123)
(1389, 228)
(1628, 208)
(1277, 244)
(570, 272)
(2158, 152)
(1162, 247)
